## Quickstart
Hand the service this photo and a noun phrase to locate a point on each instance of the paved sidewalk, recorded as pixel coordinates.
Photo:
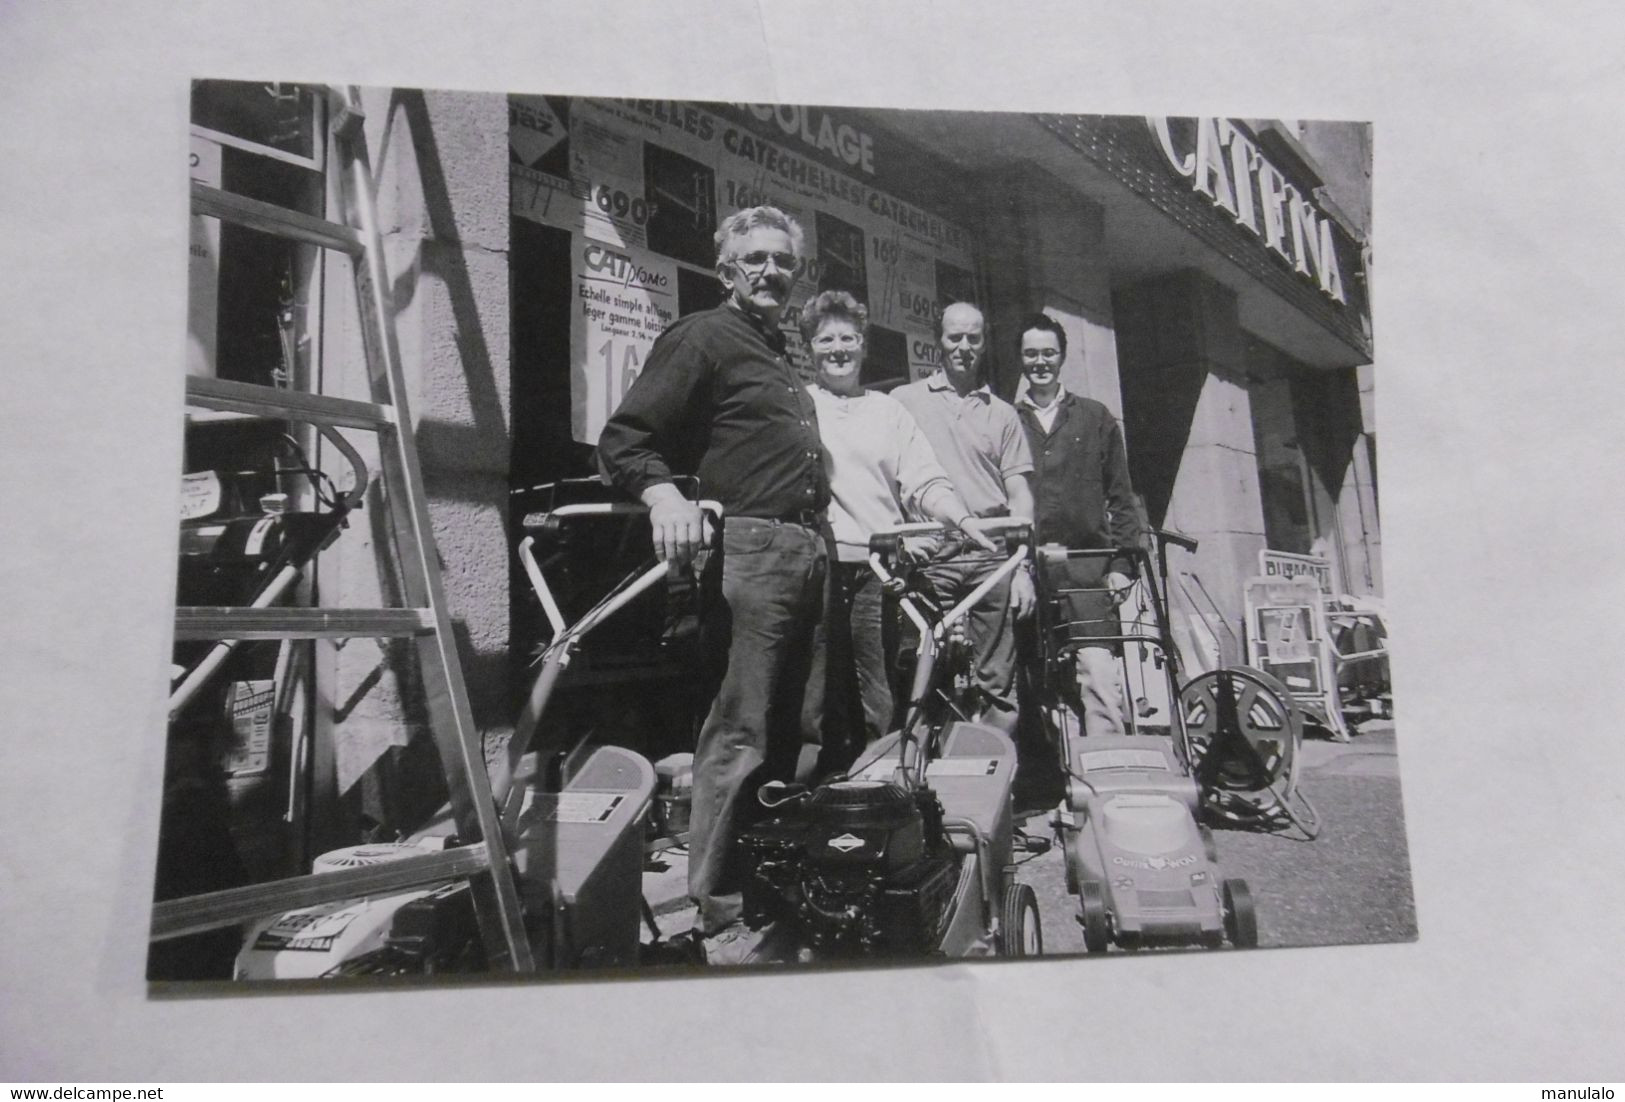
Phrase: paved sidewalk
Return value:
(1373, 751)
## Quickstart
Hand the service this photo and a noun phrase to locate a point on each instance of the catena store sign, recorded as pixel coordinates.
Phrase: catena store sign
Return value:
(1225, 165)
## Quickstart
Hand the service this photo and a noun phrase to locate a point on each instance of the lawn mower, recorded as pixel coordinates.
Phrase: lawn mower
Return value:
(1142, 863)
(574, 821)
(242, 545)
(909, 853)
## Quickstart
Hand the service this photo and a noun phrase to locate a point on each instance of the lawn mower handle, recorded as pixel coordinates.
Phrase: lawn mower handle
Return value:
(1178, 539)
(551, 522)
(556, 656)
(887, 540)
(885, 544)
(353, 497)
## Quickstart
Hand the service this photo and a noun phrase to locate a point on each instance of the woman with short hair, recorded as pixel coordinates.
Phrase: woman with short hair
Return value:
(881, 472)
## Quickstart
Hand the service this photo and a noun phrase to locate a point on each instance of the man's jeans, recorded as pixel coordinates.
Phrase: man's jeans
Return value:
(1085, 610)
(849, 654)
(990, 624)
(771, 600)
(1100, 688)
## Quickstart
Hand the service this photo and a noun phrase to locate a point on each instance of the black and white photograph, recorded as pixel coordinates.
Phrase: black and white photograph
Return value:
(810, 542)
(625, 534)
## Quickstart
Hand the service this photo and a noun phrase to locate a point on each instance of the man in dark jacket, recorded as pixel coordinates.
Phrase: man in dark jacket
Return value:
(1082, 499)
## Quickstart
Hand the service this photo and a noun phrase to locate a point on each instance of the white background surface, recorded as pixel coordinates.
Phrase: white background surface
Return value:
(1498, 230)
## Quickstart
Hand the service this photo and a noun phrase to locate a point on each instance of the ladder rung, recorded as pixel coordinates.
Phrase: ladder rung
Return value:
(195, 913)
(235, 622)
(497, 905)
(272, 219)
(297, 405)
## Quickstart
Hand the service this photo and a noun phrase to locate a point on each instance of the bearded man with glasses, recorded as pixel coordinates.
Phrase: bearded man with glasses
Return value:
(718, 398)
(1083, 500)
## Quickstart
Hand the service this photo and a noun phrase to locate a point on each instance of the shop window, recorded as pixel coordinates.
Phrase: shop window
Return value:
(280, 121)
(885, 362)
(1286, 517)
(682, 205)
(1327, 409)
(253, 299)
(540, 287)
(841, 263)
(1284, 480)
(252, 308)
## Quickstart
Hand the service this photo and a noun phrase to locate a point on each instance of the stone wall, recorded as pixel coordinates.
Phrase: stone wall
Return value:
(440, 159)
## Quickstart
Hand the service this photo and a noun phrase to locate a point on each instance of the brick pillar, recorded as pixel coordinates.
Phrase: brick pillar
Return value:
(1188, 422)
(441, 163)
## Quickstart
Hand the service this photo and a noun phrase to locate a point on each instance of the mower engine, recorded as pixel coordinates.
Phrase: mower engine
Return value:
(858, 867)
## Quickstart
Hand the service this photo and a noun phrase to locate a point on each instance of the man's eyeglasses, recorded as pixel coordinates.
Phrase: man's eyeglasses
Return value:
(1033, 355)
(788, 263)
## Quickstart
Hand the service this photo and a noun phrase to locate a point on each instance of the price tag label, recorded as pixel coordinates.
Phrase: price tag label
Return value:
(963, 767)
(200, 494)
(579, 807)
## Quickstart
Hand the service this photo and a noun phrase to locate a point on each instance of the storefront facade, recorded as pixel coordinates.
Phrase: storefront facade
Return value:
(1212, 275)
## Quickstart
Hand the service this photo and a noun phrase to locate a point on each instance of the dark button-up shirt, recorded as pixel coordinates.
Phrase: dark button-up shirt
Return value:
(718, 399)
(1081, 492)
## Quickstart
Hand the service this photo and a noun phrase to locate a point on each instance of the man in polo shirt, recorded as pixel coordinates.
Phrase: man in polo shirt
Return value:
(718, 398)
(1084, 500)
(980, 443)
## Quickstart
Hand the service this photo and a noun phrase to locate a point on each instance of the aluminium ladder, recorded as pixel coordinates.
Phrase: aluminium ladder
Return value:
(484, 862)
